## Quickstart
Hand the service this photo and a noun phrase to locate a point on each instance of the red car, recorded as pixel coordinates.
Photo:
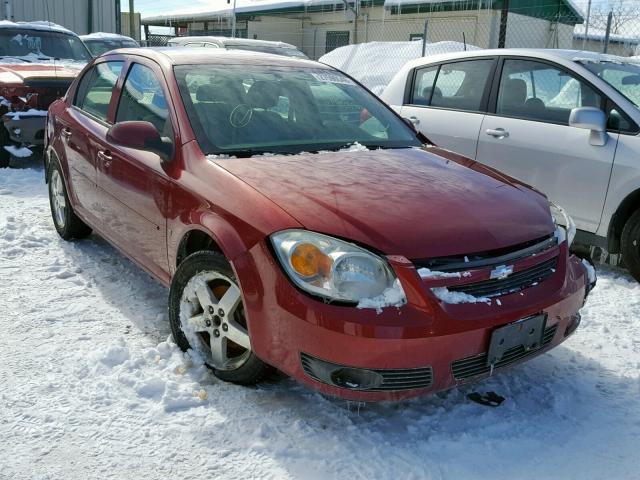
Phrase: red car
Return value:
(303, 225)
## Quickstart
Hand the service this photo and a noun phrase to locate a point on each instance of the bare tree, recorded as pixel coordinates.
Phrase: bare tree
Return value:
(623, 14)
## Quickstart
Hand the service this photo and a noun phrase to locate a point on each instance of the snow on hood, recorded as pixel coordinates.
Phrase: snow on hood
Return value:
(407, 202)
(387, 57)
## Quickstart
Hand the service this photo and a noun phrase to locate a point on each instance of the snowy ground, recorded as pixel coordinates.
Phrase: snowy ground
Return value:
(90, 387)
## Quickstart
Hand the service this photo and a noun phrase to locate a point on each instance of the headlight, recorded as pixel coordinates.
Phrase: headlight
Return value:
(331, 268)
(565, 228)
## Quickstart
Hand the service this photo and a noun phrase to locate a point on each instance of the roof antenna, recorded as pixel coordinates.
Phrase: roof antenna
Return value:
(464, 41)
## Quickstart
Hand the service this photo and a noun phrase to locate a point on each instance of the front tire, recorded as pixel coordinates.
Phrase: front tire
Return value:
(630, 244)
(207, 315)
(67, 223)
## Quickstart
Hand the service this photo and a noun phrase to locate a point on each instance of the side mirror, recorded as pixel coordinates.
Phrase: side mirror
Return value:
(141, 136)
(590, 118)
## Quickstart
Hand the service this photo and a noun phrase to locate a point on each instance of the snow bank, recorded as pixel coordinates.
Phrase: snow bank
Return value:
(374, 64)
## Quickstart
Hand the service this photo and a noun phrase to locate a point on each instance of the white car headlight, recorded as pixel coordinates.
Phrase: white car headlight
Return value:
(565, 228)
(331, 268)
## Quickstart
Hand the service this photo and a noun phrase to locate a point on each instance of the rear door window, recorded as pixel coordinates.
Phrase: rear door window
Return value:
(423, 85)
(96, 89)
(462, 85)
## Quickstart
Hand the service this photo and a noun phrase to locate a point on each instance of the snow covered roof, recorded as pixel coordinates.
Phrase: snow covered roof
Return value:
(104, 36)
(36, 25)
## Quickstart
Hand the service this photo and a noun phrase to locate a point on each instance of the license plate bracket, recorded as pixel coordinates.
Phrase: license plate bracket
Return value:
(527, 333)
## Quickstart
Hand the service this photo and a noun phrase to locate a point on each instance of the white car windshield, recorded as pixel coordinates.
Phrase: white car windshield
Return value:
(41, 45)
(623, 76)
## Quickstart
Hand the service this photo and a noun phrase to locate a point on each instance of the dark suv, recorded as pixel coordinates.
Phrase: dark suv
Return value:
(38, 62)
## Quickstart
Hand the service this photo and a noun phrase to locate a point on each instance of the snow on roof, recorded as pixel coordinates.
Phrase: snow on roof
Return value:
(388, 58)
(36, 25)
(104, 35)
(599, 35)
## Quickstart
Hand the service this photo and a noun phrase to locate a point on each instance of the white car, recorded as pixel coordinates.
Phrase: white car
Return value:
(264, 46)
(566, 122)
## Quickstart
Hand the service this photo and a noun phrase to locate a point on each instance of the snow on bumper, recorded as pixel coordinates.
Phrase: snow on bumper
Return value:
(324, 346)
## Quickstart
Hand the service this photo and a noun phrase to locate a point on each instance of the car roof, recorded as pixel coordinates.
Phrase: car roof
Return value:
(231, 41)
(542, 53)
(198, 55)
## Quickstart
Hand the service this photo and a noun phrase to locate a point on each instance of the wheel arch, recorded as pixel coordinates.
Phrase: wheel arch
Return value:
(630, 204)
(209, 231)
(195, 240)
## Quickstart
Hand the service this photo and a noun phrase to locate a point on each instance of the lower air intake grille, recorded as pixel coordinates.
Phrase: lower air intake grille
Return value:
(513, 283)
(370, 380)
(477, 365)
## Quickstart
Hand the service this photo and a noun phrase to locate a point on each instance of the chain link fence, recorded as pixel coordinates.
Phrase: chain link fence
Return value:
(472, 22)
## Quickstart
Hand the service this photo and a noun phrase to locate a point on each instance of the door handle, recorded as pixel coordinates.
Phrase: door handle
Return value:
(415, 120)
(105, 157)
(66, 131)
(497, 133)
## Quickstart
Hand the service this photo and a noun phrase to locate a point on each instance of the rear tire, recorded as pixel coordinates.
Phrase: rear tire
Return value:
(67, 223)
(5, 157)
(216, 320)
(630, 244)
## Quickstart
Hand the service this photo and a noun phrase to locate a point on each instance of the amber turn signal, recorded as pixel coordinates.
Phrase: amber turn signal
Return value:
(309, 261)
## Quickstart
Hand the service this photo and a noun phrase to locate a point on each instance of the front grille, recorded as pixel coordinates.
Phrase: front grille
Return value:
(396, 379)
(477, 365)
(486, 259)
(511, 284)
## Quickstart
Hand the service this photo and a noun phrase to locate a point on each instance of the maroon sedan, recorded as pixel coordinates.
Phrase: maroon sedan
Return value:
(302, 225)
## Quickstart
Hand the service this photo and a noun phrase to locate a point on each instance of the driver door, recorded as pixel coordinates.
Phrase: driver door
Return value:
(133, 183)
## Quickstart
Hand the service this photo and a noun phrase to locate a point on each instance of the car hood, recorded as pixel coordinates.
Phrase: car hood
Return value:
(20, 72)
(412, 202)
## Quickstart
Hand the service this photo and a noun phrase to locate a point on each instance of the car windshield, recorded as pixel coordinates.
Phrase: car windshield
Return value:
(98, 47)
(623, 76)
(285, 51)
(245, 110)
(39, 45)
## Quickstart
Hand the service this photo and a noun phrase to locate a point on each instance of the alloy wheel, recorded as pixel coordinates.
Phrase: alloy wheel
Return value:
(212, 319)
(58, 200)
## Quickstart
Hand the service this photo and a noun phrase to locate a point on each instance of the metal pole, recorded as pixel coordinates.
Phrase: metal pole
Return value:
(504, 15)
(424, 37)
(233, 21)
(608, 32)
(132, 20)
(586, 25)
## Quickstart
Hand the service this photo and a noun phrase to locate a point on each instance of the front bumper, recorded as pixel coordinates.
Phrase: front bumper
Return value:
(415, 347)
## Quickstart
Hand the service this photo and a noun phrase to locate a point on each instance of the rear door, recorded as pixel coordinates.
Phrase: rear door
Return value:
(133, 183)
(447, 102)
(83, 127)
(529, 137)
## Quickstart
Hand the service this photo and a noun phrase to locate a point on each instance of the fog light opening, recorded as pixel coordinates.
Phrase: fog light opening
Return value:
(355, 378)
